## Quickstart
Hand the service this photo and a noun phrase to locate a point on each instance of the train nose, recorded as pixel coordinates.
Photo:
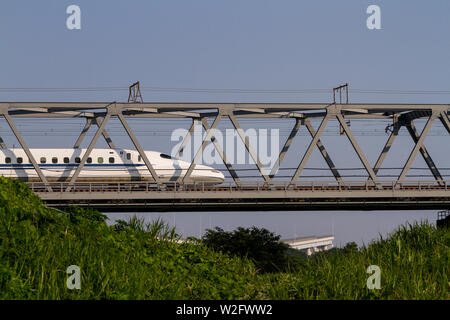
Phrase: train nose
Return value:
(208, 175)
(218, 175)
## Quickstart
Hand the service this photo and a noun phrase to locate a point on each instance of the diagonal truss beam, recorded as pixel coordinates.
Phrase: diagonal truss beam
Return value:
(187, 138)
(139, 148)
(285, 148)
(324, 153)
(311, 146)
(86, 129)
(445, 121)
(83, 133)
(200, 150)
(250, 150)
(415, 150)
(105, 134)
(88, 152)
(426, 156)
(222, 154)
(25, 148)
(3, 144)
(358, 150)
(387, 146)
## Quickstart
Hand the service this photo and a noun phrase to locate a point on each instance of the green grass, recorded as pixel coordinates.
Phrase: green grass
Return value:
(133, 260)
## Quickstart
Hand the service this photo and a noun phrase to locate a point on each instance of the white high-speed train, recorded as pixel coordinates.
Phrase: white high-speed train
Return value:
(105, 165)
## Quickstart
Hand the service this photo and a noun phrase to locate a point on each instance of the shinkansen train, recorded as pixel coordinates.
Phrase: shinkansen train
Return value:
(105, 165)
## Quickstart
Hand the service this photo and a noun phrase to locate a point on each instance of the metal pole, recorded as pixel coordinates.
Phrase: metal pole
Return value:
(387, 147)
(200, 150)
(445, 121)
(105, 135)
(187, 138)
(248, 147)
(311, 146)
(358, 150)
(426, 156)
(88, 152)
(324, 153)
(2, 144)
(83, 133)
(416, 148)
(285, 148)
(222, 154)
(139, 148)
(27, 151)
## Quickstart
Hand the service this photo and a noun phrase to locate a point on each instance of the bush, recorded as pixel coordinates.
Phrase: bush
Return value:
(263, 247)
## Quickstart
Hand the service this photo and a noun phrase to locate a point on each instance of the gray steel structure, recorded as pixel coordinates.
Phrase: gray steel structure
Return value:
(236, 195)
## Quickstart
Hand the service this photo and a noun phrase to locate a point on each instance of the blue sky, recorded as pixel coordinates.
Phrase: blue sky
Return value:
(247, 44)
(226, 44)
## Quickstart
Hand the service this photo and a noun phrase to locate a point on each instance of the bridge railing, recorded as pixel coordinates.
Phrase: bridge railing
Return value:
(301, 185)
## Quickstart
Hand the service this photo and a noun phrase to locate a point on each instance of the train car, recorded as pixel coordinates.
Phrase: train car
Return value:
(102, 165)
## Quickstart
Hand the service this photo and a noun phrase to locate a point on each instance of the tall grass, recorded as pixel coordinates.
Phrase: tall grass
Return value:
(414, 262)
(137, 260)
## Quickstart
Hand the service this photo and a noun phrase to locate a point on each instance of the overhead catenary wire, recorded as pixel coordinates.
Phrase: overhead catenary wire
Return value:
(220, 90)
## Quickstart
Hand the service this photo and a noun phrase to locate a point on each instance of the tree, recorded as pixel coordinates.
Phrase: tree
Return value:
(260, 245)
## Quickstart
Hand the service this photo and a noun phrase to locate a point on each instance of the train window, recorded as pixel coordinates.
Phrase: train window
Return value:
(77, 160)
(19, 160)
(165, 156)
(128, 156)
(43, 160)
(54, 160)
(7, 160)
(100, 159)
(66, 160)
(111, 159)
(139, 158)
(89, 160)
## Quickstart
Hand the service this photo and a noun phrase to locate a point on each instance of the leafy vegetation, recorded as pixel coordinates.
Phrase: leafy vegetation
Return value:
(135, 260)
(263, 247)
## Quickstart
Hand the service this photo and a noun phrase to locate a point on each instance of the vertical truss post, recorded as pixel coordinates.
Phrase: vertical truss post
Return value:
(187, 138)
(222, 154)
(200, 150)
(88, 151)
(285, 148)
(83, 133)
(358, 150)
(139, 148)
(324, 153)
(416, 148)
(426, 156)
(25, 148)
(311, 146)
(396, 128)
(250, 150)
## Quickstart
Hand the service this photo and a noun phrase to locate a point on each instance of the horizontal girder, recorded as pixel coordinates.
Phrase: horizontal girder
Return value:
(189, 110)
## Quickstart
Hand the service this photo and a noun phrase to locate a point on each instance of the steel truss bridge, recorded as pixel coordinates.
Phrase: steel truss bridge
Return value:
(237, 194)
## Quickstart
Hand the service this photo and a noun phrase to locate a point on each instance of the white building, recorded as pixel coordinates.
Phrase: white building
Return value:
(310, 245)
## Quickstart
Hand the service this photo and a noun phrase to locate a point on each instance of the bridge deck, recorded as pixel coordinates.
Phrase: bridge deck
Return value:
(138, 196)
